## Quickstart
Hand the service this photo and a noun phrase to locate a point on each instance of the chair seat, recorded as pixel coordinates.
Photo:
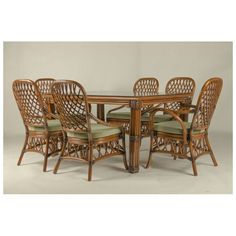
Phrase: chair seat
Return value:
(145, 117)
(53, 125)
(173, 127)
(98, 131)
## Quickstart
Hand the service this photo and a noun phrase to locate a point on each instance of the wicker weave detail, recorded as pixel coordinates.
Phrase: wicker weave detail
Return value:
(179, 85)
(29, 102)
(72, 106)
(146, 86)
(206, 103)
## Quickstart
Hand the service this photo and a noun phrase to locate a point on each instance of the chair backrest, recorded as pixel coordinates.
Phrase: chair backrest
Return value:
(72, 106)
(44, 85)
(146, 86)
(30, 103)
(206, 104)
(179, 85)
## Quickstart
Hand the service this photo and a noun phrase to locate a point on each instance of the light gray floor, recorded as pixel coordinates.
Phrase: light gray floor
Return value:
(164, 176)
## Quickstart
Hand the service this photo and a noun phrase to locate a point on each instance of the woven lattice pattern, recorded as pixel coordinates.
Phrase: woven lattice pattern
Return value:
(206, 103)
(146, 86)
(29, 102)
(44, 85)
(77, 151)
(179, 85)
(72, 106)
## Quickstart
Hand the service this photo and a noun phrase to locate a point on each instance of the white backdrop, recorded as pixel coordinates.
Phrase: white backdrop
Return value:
(116, 66)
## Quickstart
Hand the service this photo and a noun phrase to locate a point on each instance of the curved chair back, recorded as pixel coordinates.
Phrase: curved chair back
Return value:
(146, 86)
(72, 106)
(206, 104)
(44, 85)
(179, 85)
(29, 102)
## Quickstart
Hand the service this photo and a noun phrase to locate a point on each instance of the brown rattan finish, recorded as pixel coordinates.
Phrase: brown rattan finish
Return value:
(75, 116)
(179, 85)
(193, 142)
(142, 87)
(44, 86)
(34, 114)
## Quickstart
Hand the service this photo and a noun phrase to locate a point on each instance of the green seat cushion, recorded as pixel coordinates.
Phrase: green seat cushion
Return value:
(119, 115)
(98, 131)
(53, 125)
(174, 127)
(145, 116)
(157, 118)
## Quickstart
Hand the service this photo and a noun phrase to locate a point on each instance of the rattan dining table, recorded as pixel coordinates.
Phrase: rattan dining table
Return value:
(135, 103)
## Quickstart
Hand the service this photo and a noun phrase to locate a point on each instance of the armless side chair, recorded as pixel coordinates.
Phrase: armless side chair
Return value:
(187, 140)
(42, 135)
(87, 138)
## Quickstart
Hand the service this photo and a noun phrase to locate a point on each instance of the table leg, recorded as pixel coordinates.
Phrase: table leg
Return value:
(100, 111)
(135, 136)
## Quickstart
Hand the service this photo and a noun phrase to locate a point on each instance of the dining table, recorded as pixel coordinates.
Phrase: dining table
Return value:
(135, 104)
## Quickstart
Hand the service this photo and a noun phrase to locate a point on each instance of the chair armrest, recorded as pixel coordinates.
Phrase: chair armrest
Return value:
(174, 115)
(116, 108)
(91, 116)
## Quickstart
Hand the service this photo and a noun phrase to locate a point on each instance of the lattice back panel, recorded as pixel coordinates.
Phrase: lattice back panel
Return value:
(207, 102)
(72, 106)
(44, 85)
(179, 85)
(29, 102)
(146, 86)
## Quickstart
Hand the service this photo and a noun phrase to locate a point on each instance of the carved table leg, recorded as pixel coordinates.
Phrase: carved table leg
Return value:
(100, 111)
(135, 136)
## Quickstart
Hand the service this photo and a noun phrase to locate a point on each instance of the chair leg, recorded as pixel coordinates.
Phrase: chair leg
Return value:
(124, 155)
(90, 168)
(57, 165)
(46, 155)
(150, 153)
(23, 150)
(193, 160)
(61, 155)
(211, 152)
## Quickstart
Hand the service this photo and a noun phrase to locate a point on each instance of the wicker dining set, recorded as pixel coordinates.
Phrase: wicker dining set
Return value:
(58, 120)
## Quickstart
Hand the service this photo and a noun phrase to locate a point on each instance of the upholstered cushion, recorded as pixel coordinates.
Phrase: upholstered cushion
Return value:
(157, 118)
(53, 125)
(98, 131)
(173, 127)
(145, 116)
(119, 115)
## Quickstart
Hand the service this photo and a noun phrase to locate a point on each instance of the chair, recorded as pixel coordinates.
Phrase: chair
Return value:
(142, 87)
(87, 138)
(187, 140)
(42, 135)
(44, 86)
(179, 85)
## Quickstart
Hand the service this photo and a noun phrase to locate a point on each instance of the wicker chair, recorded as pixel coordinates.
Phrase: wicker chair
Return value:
(87, 138)
(142, 87)
(187, 140)
(42, 135)
(44, 86)
(179, 85)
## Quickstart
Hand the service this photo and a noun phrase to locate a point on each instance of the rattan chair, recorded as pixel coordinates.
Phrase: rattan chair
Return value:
(44, 86)
(179, 85)
(187, 140)
(142, 87)
(87, 138)
(42, 135)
